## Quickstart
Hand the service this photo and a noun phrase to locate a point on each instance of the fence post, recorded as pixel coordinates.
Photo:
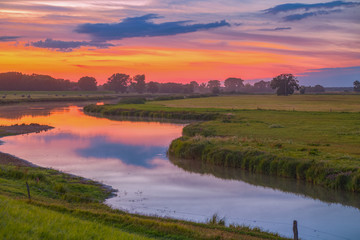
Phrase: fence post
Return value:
(28, 190)
(295, 230)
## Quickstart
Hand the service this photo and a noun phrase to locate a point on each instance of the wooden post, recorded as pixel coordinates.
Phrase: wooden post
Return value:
(295, 230)
(28, 190)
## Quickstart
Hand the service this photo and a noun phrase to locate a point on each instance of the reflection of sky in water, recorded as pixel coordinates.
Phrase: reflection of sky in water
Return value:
(131, 157)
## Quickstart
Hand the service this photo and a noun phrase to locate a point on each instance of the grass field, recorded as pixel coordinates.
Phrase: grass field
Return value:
(323, 103)
(319, 146)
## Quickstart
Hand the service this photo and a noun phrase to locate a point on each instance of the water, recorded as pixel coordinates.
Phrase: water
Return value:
(131, 157)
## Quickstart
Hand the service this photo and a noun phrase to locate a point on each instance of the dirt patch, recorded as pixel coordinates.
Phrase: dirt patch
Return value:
(7, 159)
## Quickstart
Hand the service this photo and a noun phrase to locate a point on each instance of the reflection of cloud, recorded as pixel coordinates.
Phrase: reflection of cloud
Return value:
(142, 27)
(67, 46)
(128, 154)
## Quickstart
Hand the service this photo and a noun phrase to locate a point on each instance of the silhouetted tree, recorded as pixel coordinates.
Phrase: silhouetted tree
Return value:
(356, 86)
(16, 81)
(87, 84)
(285, 84)
(233, 84)
(262, 85)
(153, 87)
(188, 88)
(118, 82)
(214, 86)
(195, 86)
(139, 83)
(302, 90)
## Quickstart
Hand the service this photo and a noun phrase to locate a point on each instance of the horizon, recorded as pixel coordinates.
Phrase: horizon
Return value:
(193, 41)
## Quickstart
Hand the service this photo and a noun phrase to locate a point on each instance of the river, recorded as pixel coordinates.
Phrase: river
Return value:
(131, 157)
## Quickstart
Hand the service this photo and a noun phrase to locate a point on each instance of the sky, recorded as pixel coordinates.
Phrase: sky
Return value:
(183, 40)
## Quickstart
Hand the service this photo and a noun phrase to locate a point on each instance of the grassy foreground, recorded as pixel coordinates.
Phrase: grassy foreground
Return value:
(315, 145)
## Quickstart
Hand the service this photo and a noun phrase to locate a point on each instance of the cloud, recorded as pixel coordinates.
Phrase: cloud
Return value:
(275, 29)
(300, 6)
(142, 27)
(8, 38)
(67, 46)
(297, 17)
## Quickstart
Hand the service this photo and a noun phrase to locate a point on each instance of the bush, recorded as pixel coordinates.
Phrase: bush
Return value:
(132, 100)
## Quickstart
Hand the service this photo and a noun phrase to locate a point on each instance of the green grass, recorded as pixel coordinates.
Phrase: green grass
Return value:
(64, 206)
(49, 96)
(324, 103)
(21, 220)
(321, 147)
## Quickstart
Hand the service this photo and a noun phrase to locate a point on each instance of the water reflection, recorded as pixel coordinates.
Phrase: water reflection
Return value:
(286, 185)
(131, 157)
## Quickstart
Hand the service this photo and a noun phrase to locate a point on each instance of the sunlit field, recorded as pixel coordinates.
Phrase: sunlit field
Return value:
(323, 103)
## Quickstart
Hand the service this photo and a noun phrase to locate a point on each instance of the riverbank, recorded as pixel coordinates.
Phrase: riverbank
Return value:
(66, 206)
(320, 147)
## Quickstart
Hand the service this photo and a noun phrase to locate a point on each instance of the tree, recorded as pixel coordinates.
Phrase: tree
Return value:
(302, 89)
(285, 84)
(214, 86)
(87, 84)
(262, 85)
(153, 87)
(233, 84)
(139, 84)
(118, 82)
(356, 86)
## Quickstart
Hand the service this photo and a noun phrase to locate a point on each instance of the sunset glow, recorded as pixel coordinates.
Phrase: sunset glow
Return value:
(196, 40)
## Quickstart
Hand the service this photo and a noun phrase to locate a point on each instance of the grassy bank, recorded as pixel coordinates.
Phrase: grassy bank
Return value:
(10, 97)
(320, 147)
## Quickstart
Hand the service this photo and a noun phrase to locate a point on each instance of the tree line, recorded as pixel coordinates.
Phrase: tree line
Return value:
(284, 84)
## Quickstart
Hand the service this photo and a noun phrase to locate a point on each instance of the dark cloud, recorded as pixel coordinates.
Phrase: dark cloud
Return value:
(8, 38)
(297, 17)
(275, 29)
(300, 6)
(67, 46)
(142, 27)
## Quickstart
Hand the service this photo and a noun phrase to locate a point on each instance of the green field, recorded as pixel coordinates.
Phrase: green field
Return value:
(319, 146)
(323, 103)
(49, 96)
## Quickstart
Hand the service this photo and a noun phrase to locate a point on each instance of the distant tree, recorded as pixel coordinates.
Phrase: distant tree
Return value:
(139, 83)
(302, 89)
(233, 84)
(214, 86)
(87, 84)
(195, 86)
(203, 87)
(188, 88)
(285, 84)
(153, 87)
(262, 85)
(118, 82)
(356, 86)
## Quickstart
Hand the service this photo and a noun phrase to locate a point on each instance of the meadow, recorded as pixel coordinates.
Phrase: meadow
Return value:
(316, 145)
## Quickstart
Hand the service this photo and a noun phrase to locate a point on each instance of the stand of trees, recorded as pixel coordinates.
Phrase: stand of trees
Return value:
(356, 86)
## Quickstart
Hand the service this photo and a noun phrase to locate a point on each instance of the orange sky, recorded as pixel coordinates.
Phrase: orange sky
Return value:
(217, 42)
